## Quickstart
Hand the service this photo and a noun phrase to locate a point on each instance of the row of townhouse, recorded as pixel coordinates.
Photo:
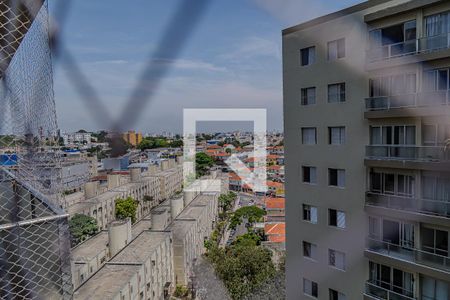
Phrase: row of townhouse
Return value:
(154, 258)
(149, 188)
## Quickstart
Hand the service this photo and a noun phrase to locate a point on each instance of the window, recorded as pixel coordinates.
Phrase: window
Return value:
(309, 250)
(392, 279)
(437, 24)
(335, 295)
(336, 259)
(310, 288)
(310, 213)
(308, 96)
(336, 218)
(308, 56)
(309, 136)
(336, 49)
(434, 289)
(309, 175)
(435, 241)
(393, 135)
(336, 135)
(390, 183)
(374, 228)
(336, 93)
(401, 84)
(336, 177)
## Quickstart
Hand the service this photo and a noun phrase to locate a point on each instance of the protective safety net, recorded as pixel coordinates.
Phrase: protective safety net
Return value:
(34, 237)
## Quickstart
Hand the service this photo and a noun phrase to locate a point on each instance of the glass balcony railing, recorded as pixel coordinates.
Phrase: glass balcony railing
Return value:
(421, 45)
(408, 152)
(424, 99)
(434, 43)
(426, 206)
(407, 253)
(385, 291)
(392, 51)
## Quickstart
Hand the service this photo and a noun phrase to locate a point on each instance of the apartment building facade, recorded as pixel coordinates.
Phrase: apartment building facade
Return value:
(366, 94)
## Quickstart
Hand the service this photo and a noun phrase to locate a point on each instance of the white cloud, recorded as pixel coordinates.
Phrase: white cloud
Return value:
(254, 47)
(194, 65)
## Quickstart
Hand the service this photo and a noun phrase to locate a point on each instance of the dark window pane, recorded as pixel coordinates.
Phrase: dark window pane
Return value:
(332, 217)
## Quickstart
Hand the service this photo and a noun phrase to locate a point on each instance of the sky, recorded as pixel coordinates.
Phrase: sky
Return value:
(232, 59)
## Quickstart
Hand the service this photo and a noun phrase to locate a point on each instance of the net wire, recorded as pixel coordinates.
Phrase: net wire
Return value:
(34, 236)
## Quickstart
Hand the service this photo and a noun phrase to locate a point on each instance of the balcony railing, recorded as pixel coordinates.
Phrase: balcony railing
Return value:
(408, 152)
(425, 206)
(421, 45)
(392, 51)
(424, 99)
(434, 43)
(407, 253)
(378, 290)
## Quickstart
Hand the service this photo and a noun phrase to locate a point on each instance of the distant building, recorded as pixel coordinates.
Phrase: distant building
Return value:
(133, 138)
(77, 138)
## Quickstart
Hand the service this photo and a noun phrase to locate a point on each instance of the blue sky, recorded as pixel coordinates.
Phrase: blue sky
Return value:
(233, 59)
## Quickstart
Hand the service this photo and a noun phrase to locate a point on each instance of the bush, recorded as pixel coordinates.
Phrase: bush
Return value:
(81, 227)
(181, 291)
(126, 208)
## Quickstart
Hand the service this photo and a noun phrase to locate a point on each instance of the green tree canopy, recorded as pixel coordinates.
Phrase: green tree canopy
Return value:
(226, 201)
(126, 208)
(81, 227)
(203, 163)
(244, 267)
(252, 214)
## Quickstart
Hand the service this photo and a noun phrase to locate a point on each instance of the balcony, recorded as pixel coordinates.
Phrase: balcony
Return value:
(437, 99)
(416, 256)
(411, 47)
(424, 206)
(434, 43)
(385, 291)
(392, 51)
(408, 152)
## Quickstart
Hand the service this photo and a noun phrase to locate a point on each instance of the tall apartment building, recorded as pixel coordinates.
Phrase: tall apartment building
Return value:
(132, 137)
(367, 128)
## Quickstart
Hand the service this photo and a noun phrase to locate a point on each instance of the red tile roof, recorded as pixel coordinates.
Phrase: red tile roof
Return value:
(276, 232)
(274, 184)
(275, 203)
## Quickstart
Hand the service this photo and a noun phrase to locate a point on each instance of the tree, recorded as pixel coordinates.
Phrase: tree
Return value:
(176, 144)
(203, 162)
(81, 227)
(226, 201)
(243, 268)
(100, 136)
(248, 239)
(252, 214)
(126, 208)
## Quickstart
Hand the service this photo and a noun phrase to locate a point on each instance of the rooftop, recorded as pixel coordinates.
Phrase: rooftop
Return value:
(142, 225)
(141, 248)
(191, 212)
(90, 248)
(275, 203)
(334, 15)
(180, 228)
(107, 282)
